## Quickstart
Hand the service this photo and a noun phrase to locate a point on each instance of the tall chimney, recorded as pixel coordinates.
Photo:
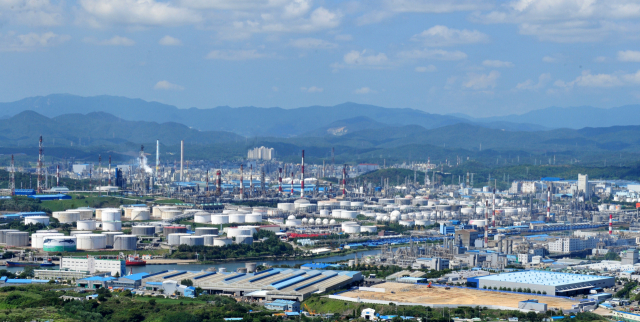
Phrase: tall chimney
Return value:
(302, 175)
(157, 158)
(548, 202)
(219, 182)
(486, 222)
(493, 217)
(344, 181)
(241, 181)
(610, 224)
(251, 180)
(181, 159)
(292, 174)
(280, 180)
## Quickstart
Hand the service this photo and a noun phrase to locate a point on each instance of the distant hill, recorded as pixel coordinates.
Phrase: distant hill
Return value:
(247, 121)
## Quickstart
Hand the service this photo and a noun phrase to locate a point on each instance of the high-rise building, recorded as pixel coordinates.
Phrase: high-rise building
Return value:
(260, 153)
(583, 184)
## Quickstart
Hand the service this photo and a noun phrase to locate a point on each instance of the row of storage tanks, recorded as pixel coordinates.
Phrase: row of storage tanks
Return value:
(605, 207)
(209, 236)
(352, 227)
(229, 217)
(54, 241)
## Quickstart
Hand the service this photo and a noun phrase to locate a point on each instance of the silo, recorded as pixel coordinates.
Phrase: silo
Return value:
(127, 212)
(17, 238)
(219, 219)
(174, 239)
(85, 213)
(324, 213)
(251, 267)
(174, 230)
(112, 225)
(222, 241)
(110, 236)
(192, 240)
(91, 241)
(202, 217)
(34, 220)
(3, 234)
(255, 217)
(100, 212)
(143, 230)
(111, 215)
(80, 232)
(140, 213)
(60, 244)
(201, 231)
(208, 239)
(38, 238)
(68, 217)
(86, 225)
(125, 242)
(236, 218)
(244, 239)
(336, 213)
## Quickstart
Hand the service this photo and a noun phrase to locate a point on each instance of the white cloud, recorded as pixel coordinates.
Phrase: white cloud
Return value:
(234, 54)
(549, 59)
(236, 5)
(373, 17)
(170, 41)
(33, 13)
(437, 6)
(438, 36)
(586, 79)
(600, 59)
(312, 43)
(629, 56)
(543, 79)
(344, 37)
(497, 63)
(437, 54)
(632, 78)
(312, 89)
(482, 81)
(355, 57)
(12, 41)
(99, 13)
(364, 90)
(165, 85)
(115, 41)
(423, 69)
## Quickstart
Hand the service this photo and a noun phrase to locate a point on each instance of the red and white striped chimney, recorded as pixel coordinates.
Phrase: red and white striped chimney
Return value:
(486, 221)
(280, 180)
(493, 216)
(548, 202)
(241, 181)
(610, 224)
(302, 176)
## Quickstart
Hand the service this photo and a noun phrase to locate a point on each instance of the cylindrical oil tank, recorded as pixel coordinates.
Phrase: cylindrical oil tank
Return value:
(222, 241)
(324, 213)
(345, 204)
(201, 231)
(355, 229)
(127, 212)
(251, 267)
(3, 234)
(202, 217)
(112, 225)
(286, 206)
(85, 213)
(406, 223)
(174, 239)
(294, 222)
(336, 213)
(80, 232)
(368, 229)
(255, 217)
(110, 236)
(140, 213)
(233, 232)
(34, 220)
(111, 215)
(208, 239)
(348, 223)
(143, 230)
(170, 214)
(159, 229)
(125, 242)
(478, 222)
(219, 219)
(86, 225)
(237, 218)
(423, 222)
(68, 217)
(244, 239)
(38, 238)
(357, 204)
(319, 221)
(17, 238)
(345, 214)
(92, 241)
(192, 240)
(60, 244)
(174, 230)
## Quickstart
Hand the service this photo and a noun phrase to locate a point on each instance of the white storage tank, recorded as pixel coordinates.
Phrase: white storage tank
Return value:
(236, 218)
(59, 243)
(86, 225)
(324, 213)
(202, 217)
(201, 231)
(467, 211)
(112, 225)
(110, 236)
(143, 230)
(67, 217)
(319, 221)
(85, 213)
(478, 222)
(305, 221)
(140, 213)
(423, 222)
(111, 215)
(355, 229)
(346, 214)
(244, 239)
(331, 222)
(80, 232)
(174, 239)
(208, 239)
(192, 240)
(92, 241)
(326, 221)
(37, 239)
(34, 220)
(17, 238)
(359, 204)
(255, 217)
(345, 204)
(220, 219)
(125, 242)
(336, 213)
(286, 206)
(171, 214)
(406, 223)
(368, 229)
(294, 222)
(233, 232)
(221, 241)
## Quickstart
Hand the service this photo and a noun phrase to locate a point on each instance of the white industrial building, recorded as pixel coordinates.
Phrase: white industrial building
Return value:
(567, 245)
(260, 153)
(551, 283)
(94, 265)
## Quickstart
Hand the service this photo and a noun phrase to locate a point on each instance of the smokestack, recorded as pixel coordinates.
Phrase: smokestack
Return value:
(207, 182)
(610, 224)
(344, 181)
(109, 170)
(251, 180)
(302, 175)
(280, 180)
(241, 181)
(292, 183)
(493, 217)
(486, 221)
(40, 161)
(158, 158)
(58, 175)
(181, 159)
(219, 182)
(12, 177)
(548, 202)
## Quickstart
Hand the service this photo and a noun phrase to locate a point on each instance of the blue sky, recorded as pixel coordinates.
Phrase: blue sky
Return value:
(482, 58)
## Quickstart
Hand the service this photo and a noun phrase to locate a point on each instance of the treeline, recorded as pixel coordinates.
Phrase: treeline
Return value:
(271, 246)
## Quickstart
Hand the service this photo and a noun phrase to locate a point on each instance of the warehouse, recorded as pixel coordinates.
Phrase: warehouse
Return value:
(551, 283)
(94, 265)
(270, 284)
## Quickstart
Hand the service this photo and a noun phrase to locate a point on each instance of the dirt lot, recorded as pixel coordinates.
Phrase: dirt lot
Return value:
(438, 295)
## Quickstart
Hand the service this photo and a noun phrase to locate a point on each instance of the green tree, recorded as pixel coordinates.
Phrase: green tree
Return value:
(186, 282)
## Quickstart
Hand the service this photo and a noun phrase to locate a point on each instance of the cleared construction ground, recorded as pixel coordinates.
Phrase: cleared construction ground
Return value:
(421, 294)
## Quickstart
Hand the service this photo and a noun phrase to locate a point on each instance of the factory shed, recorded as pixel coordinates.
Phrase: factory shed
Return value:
(51, 197)
(551, 283)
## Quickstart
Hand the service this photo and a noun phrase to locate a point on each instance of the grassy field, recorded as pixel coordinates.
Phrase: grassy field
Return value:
(155, 252)
(93, 201)
(169, 201)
